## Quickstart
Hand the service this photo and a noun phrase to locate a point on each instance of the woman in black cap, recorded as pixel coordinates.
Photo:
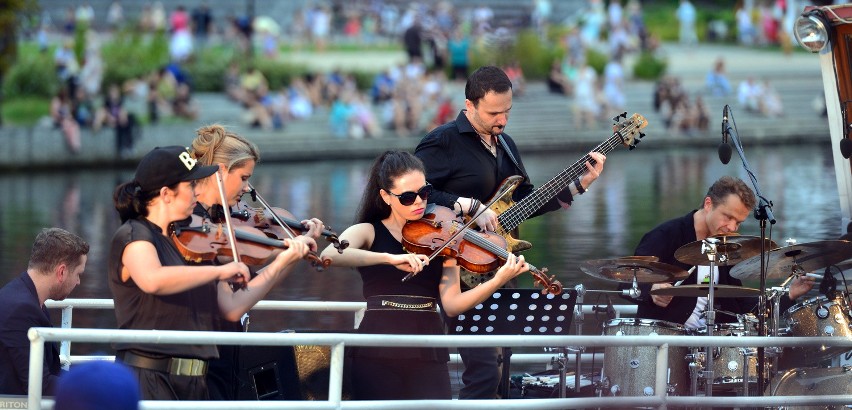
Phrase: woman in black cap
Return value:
(154, 288)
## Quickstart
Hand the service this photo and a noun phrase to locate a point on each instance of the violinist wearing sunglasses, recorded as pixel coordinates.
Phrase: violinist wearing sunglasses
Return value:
(396, 193)
(466, 161)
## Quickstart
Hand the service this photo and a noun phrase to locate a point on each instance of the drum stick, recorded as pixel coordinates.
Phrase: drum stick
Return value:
(692, 269)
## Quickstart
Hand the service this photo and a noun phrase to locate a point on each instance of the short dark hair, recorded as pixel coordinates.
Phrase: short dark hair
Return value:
(55, 246)
(485, 79)
(727, 185)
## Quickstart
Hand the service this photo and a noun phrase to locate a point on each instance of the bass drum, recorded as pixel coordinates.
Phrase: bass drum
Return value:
(631, 371)
(814, 382)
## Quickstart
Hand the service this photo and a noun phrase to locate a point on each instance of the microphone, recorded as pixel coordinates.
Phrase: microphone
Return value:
(610, 309)
(724, 148)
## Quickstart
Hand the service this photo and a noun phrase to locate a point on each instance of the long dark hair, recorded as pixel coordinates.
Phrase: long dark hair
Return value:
(387, 167)
(131, 202)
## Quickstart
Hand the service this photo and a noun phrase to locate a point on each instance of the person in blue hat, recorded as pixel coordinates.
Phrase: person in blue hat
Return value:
(98, 385)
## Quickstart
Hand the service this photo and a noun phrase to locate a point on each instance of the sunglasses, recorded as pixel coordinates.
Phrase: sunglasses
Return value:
(408, 198)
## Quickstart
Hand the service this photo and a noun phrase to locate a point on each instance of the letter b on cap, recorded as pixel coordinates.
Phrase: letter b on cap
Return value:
(187, 160)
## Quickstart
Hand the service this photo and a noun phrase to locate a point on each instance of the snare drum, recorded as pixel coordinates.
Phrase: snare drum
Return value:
(631, 371)
(813, 382)
(730, 363)
(817, 316)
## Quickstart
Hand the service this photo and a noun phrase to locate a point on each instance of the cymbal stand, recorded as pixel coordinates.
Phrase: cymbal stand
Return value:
(708, 247)
(763, 213)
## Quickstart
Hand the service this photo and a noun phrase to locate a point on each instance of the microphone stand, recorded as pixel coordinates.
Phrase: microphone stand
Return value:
(763, 213)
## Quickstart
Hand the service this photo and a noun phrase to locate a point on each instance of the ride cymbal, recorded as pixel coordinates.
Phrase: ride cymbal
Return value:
(799, 258)
(696, 291)
(731, 249)
(624, 269)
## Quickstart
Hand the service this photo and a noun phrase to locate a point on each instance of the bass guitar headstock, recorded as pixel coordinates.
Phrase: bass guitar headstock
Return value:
(629, 129)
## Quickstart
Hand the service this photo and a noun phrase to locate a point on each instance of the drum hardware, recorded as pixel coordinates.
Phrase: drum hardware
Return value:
(731, 248)
(721, 291)
(708, 248)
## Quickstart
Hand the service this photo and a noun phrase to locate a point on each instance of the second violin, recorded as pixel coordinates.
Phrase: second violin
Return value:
(478, 252)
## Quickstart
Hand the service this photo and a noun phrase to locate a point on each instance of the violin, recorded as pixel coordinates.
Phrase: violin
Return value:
(202, 241)
(477, 252)
(265, 220)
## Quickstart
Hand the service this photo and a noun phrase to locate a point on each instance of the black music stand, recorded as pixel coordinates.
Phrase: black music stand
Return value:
(518, 312)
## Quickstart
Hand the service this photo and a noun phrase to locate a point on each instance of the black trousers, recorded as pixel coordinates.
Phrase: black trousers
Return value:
(482, 371)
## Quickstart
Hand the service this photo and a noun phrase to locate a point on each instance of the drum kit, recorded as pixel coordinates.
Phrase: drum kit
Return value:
(631, 371)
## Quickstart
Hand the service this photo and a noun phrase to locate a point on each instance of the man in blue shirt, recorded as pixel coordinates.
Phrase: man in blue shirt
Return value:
(57, 261)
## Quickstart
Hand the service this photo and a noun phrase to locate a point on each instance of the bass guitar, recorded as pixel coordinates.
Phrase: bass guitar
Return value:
(511, 214)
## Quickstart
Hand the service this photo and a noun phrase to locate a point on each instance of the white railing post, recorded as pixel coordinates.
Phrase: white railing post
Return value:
(36, 369)
(662, 375)
(65, 346)
(335, 375)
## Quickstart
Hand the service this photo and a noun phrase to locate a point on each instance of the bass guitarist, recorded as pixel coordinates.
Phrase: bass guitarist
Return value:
(466, 160)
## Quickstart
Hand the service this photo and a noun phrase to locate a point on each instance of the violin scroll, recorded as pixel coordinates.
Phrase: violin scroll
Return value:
(549, 284)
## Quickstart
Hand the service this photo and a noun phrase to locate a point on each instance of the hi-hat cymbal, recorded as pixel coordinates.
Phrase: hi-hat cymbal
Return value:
(731, 249)
(695, 291)
(803, 257)
(624, 269)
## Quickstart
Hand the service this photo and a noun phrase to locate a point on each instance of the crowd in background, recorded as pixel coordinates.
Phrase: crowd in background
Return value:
(405, 99)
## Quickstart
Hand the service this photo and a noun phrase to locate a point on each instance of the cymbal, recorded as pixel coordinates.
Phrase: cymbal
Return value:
(623, 270)
(804, 257)
(732, 249)
(719, 291)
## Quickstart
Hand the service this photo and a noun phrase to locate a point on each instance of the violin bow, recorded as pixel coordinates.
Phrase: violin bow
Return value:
(507, 187)
(232, 237)
(256, 195)
(316, 260)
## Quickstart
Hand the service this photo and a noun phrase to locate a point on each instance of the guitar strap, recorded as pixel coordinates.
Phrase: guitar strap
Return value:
(511, 155)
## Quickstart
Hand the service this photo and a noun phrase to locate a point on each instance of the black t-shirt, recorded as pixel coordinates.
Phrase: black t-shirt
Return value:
(458, 164)
(387, 280)
(195, 309)
(663, 241)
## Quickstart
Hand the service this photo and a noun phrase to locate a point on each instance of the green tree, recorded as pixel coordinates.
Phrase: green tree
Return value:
(9, 11)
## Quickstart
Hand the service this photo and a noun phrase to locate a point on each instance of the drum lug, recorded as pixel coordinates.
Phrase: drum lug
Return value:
(615, 390)
(648, 391)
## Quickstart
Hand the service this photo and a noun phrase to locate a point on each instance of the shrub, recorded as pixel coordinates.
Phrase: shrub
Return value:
(649, 67)
(279, 74)
(31, 76)
(596, 60)
(208, 67)
(131, 55)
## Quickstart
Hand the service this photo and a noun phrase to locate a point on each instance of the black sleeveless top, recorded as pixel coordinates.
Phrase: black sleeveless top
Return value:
(386, 280)
(193, 309)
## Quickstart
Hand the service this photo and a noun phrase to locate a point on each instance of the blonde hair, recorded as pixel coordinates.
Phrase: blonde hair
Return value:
(214, 144)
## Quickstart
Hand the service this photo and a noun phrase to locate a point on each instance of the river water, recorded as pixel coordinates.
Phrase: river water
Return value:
(638, 190)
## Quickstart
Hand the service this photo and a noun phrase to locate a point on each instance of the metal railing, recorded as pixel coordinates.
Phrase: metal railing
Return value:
(337, 341)
(357, 308)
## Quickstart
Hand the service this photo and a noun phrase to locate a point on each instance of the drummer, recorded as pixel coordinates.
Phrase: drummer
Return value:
(727, 204)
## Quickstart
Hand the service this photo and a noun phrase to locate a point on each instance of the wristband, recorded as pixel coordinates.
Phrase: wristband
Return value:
(579, 186)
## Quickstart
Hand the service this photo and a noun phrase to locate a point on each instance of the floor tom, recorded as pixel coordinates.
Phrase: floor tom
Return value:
(631, 370)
